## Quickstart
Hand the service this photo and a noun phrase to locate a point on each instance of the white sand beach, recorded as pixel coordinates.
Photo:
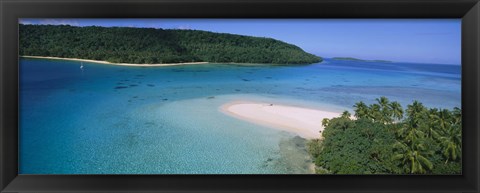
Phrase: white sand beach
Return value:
(120, 64)
(305, 122)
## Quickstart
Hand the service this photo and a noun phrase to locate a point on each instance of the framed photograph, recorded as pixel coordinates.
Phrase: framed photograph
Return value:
(244, 96)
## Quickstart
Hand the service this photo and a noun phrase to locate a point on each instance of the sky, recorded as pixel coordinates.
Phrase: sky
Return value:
(403, 40)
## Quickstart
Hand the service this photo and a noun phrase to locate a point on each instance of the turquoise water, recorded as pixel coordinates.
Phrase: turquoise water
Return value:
(109, 119)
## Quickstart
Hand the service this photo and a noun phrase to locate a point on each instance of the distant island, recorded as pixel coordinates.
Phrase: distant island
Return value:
(155, 46)
(360, 60)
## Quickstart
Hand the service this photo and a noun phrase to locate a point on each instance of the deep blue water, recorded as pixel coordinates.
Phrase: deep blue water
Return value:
(109, 119)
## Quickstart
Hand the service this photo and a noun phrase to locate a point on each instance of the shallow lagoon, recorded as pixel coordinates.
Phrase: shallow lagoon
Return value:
(165, 120)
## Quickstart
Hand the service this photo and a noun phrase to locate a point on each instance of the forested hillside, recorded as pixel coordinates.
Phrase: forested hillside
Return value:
(148, 45)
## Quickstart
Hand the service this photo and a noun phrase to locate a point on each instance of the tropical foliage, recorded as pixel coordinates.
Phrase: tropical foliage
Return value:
(149, 45)
(385, 138)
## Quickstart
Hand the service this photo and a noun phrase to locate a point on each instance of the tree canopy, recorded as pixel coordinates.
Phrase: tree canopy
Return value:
(149, 45)
(382, 140)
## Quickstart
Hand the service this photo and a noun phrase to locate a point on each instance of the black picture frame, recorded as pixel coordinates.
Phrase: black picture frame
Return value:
(11, 10)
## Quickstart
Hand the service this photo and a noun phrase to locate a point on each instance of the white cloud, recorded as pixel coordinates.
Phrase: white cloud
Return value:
(156, 26)
(23, 21)
(184, 27)
(59, 22)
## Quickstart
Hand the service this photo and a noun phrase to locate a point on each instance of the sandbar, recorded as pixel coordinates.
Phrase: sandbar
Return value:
(304, 122)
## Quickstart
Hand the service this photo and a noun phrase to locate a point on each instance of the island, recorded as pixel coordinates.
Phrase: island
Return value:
(360, 60)
(128, 45)
(380, 138)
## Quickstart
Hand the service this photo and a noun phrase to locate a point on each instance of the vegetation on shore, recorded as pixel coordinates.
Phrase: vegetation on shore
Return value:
(360, 60)
(386, 139)
(151, 46)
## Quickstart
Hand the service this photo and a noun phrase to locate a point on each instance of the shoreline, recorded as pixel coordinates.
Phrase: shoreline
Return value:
(304, 122)
(157, 65)
(110, 63)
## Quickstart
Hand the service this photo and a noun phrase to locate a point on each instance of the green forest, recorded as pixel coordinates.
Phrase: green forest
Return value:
(384, 138)
(150, 46)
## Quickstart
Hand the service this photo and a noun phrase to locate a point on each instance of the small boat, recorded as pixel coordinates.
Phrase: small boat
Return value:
(81, 65)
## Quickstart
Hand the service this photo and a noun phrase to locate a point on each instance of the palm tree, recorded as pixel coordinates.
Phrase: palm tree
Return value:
(397, 110)
(374, 112)
(346, 114)
(383, 101)
(415, 113)
(457, 115)
(431, 126)
(411, 130)
(413, 157)
(452, 143)
(385, 109)
(444, 119)
(361, 110)
(410, 134)
(325, 122)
